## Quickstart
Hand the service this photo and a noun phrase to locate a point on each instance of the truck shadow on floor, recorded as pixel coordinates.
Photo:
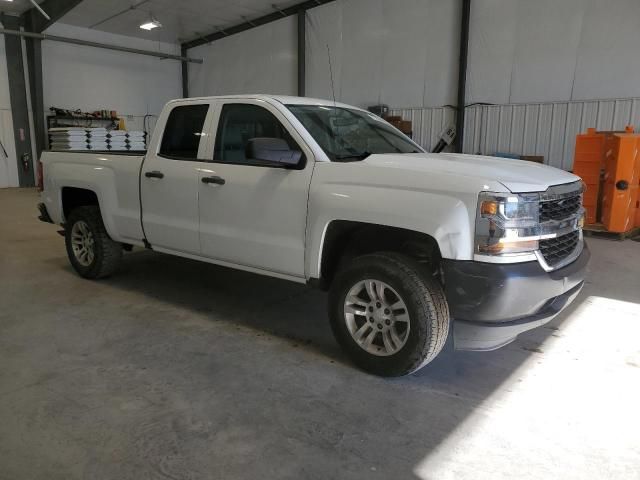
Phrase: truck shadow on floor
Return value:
(298, 314)
(296, 408)
(267, 305)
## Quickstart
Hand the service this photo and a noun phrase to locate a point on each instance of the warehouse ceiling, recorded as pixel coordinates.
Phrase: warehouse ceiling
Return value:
(16, 7)
(181, 20)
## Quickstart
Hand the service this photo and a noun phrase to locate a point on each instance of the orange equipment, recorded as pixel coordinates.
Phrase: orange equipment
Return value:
(609, 164)
(587, 164)
(620, 195)
(638, 212)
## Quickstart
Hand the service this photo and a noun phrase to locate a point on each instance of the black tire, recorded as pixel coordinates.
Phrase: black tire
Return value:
(425, 302)
(107, 254)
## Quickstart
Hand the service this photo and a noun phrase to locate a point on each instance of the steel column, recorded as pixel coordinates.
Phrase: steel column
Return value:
(34, 67)
(462, 74)
(19, 108)
(302, 60)
(185, 74)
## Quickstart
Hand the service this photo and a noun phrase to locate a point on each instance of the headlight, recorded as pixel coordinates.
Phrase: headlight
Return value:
(507, 223)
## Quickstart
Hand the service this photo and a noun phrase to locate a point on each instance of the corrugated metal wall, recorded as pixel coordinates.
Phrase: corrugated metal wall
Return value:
(428, 123)
(547, 129)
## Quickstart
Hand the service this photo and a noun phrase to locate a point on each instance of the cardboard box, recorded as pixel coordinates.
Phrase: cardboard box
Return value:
(533, 158)
(406, 126)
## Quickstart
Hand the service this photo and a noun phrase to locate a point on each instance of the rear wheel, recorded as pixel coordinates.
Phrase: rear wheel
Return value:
(91, 251)
(390, 316)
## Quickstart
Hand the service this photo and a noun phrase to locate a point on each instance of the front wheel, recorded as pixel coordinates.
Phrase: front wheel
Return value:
(389, 315)
(91, 251)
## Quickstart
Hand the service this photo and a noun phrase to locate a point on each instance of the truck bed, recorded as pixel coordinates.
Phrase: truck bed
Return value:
(115, 175)
(126, 153)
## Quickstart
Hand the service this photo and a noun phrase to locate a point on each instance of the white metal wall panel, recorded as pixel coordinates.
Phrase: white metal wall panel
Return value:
(260, 60)
(401, 52)
(608, 64)
(8, 166)
(547, 129)
(88, 78)
(524, 51)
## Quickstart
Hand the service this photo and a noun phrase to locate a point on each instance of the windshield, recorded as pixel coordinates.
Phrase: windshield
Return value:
(348, 135)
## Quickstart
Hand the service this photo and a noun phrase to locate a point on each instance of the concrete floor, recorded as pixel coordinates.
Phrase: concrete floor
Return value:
(174, 369)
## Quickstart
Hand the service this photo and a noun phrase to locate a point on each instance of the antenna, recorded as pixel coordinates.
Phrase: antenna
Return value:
(333, 91)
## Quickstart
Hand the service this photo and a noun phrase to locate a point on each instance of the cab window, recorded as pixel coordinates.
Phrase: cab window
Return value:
(241, 122)
(183, 132)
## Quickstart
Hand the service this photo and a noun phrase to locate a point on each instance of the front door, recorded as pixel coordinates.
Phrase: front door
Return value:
(170, 180)
(251, 214)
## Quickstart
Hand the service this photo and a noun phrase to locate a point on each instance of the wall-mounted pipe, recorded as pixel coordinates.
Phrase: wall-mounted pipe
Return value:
(86, 43)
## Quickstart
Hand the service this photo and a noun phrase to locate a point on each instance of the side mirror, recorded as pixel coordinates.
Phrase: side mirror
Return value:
(272, 150)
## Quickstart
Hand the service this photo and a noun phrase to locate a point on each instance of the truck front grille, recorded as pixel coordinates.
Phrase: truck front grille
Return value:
(555, 250)
(560, 209)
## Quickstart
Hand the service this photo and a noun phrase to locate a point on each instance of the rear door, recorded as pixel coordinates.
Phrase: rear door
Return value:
(169, 180)
(253, 215)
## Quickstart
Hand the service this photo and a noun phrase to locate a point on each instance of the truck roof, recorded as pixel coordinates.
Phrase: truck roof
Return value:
(284, 99)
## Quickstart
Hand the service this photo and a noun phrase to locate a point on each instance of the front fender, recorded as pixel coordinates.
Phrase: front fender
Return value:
(448, 219)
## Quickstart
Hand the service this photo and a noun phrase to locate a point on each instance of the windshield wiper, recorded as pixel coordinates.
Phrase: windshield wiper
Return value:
(354, 156)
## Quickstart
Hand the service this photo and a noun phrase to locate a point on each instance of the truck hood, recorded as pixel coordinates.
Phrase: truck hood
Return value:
(518, 176)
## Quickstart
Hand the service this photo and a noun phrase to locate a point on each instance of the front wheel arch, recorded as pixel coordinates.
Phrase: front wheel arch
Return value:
(344, 240)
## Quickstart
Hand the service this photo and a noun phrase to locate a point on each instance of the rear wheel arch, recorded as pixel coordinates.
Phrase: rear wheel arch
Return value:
(74, 197)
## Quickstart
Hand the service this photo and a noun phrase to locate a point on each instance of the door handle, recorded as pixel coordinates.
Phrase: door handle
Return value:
(217, 180)
(154, 174)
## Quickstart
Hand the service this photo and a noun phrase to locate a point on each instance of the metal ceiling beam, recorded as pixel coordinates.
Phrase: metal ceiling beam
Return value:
(56, 9)
(256, 22)
(462, 73)
(75, 41)
(121, 12)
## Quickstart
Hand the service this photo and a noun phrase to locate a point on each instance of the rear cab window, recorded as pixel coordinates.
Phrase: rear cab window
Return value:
(183, 132)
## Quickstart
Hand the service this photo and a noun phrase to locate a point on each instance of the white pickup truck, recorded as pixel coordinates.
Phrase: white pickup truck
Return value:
(411, 245)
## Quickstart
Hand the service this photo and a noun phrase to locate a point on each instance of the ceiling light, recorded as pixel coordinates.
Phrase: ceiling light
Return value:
(151, 24)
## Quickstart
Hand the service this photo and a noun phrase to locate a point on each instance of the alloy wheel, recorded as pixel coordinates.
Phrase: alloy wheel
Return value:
(376, 317)
(82, 243)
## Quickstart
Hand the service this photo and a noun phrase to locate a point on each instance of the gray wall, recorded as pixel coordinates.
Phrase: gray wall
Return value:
(550, 68)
